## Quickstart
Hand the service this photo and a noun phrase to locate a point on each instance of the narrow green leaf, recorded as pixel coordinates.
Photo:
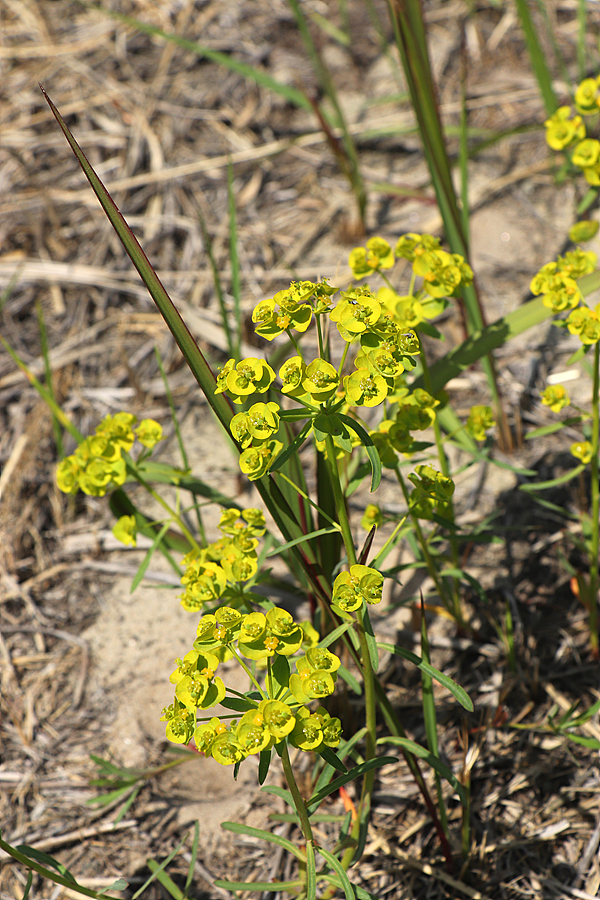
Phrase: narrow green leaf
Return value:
(352, 682)
(340, 872)
(279, 792)
(554, 482)
(371, 640)
(332, 759)
(480, 343)
(433, 761)
(148, 558)
(44, 393)
(311, 872)
(166, 880)
(164, 473)
(238, 828)
(46, 860)
(553, 428)
(236, 289)
(253, 73)
(259, 885)
(369, 446)
(28, 884)
(537, 56)
(280, 548)
(32, 864)
(264, 763)
(193, 857)
(156, 869)
(292, 448)
(356, 772)
(335, 634)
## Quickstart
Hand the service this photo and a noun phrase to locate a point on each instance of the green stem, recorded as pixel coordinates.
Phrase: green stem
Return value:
(248, 671)
(439, 442)
(595, 506)
(367, 668)
(295, 791)
(194, 545)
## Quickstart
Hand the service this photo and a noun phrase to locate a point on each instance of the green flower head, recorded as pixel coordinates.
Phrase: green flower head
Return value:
(583, 231)
(125, 530)
(149, 433)
(320, 380)
(363, 388)
(377, 255)
(582, 450)
(479, 421)
(250, 376)
(556, 397)
(586, 97)
(255, 461)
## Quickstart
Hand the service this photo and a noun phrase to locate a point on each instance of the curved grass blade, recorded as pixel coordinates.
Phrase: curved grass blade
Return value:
(148, 557)
(291, 94)
(340, 872)
(371, 640)
(433, 761)
(311, 872)
(292, 448)
(455, 689)
(369, 446)
(356, 772)
(554, 482)
(238, 828)
(259, 885)
(194, 358)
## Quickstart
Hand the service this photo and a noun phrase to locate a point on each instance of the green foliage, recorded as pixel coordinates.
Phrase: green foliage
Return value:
(360, 407)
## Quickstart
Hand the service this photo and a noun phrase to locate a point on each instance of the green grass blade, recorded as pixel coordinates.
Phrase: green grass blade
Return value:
(31, 864)
(356, 772)
(193, 857)
(337, 867)
(194, 358)
(156, 869)
(433, 761)
(270, 492)
(238, 828)
(455, 689)
(291, 94)
(166, 881)
(259, 885)
(311, 872)
(483, 342)
(554, 482)
(44, 393)
(148, 557)
(48, 375)
(537, 56)
(236, 289)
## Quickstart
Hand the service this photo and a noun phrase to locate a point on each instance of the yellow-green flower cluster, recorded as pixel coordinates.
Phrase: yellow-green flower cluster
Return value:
(263, 726)
(232, 558)
(557, 281)
(582, 450)
(265, 722)
(98, 464)
(566, 129)
(442, 273)
(480, 420)
(362, 584)
(432, 492)
(556, 397)
(585, 323)
(291, 308)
